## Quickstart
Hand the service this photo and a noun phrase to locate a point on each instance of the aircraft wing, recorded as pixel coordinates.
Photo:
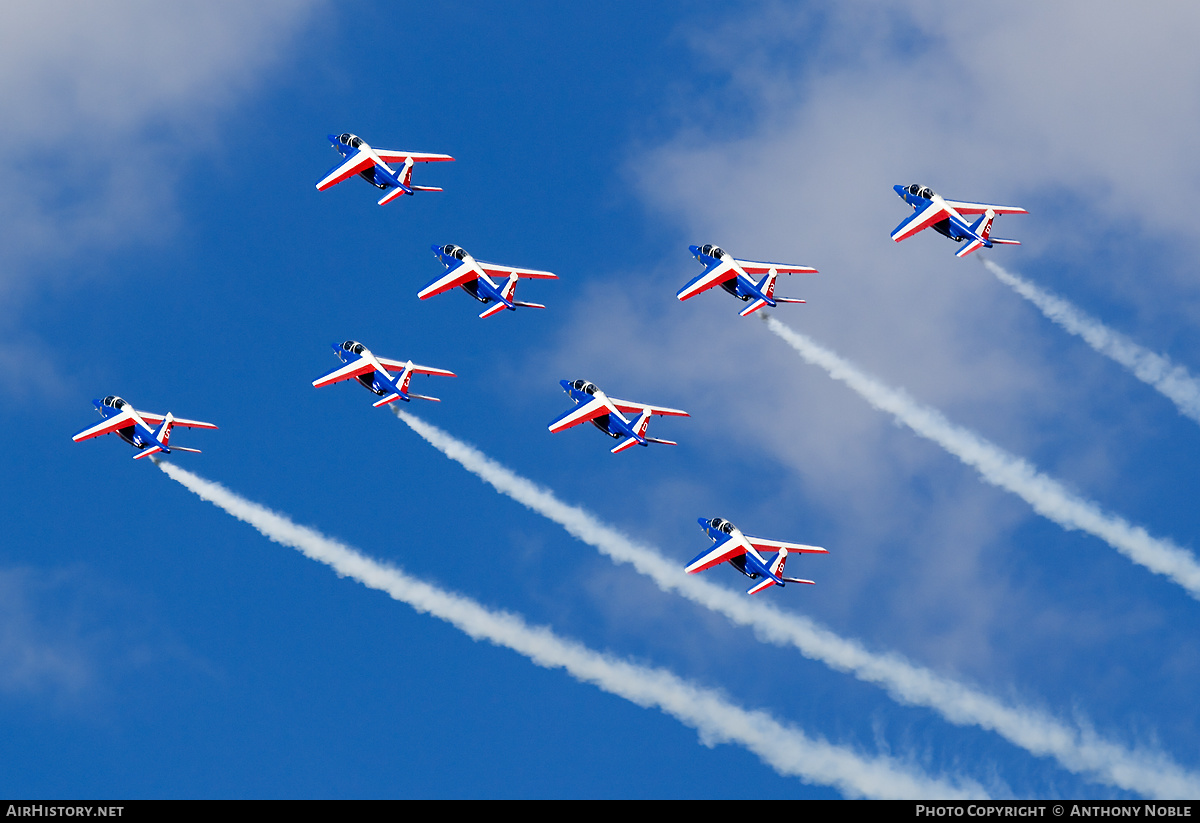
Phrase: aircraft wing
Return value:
(714, 275)
(389, 156)
(450, 280)
(397, 366)
(157, 419)
(580, 414)
(919, 220)
(638, 408)
(496, 270)
(360, 366)
(757, 267)
(355, 163)
(719, 553)
(762, 544)
(979, 208)
(106, 426)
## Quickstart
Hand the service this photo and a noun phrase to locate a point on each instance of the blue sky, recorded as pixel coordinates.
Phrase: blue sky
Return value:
(164, 242)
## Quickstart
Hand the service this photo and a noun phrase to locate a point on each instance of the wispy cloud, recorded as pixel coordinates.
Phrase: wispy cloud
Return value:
(786, 749)
(1173, 382)
(1079, 750)
(1047, 496)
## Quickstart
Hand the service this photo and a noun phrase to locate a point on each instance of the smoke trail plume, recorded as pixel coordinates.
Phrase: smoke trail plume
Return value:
(1046, 495)
(784, 748)
(1078, 750)
(1173, 382)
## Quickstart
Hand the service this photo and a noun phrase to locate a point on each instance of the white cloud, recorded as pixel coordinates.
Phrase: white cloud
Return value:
(101, 102)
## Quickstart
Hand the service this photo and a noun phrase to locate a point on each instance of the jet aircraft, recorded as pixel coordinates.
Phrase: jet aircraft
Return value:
(930, 209)
(372, 165)
(741, 552)
(137, 428)
(734, 276)
(604, 413)
(473, 276)
(375, 373)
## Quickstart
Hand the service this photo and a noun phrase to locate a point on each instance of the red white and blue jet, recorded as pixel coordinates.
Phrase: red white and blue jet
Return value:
(931, 210)
(735, 276)
(475, 278)
(373, 166)
(376, 373)
(742, 552)
(148, 433)
(604, 412)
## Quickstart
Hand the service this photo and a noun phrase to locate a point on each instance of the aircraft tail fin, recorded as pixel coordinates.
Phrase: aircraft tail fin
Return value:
(404, 178)
(982, 231)
(777, 569)
(163, 435)
(642, 423)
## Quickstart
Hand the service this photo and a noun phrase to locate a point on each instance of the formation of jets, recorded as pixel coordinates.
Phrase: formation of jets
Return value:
(751, 281)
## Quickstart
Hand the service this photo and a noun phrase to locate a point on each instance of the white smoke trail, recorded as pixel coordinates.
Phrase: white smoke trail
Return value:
(1046, 495)
(1078, 750)
(1174, 382)
(784, 748)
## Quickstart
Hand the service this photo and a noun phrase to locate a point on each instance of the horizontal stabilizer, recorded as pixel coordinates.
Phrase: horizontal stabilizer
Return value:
(788, 300)
(753, 307)
(424, 397)
(427, 188)
(385, 400)
(799, 580)
(528, 305)
(147, 452)
(968, 248)
(488, 312)
(1001, 241)
(758, 587)
(629, 441)
(393, 194)
(664, 442)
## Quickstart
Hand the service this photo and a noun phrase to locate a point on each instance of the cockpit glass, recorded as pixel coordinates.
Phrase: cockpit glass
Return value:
(717, 252)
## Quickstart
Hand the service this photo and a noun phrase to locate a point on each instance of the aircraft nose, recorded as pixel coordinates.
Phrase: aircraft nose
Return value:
(695, 250)
(704, 522)
(899, 190)
(333, 138)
